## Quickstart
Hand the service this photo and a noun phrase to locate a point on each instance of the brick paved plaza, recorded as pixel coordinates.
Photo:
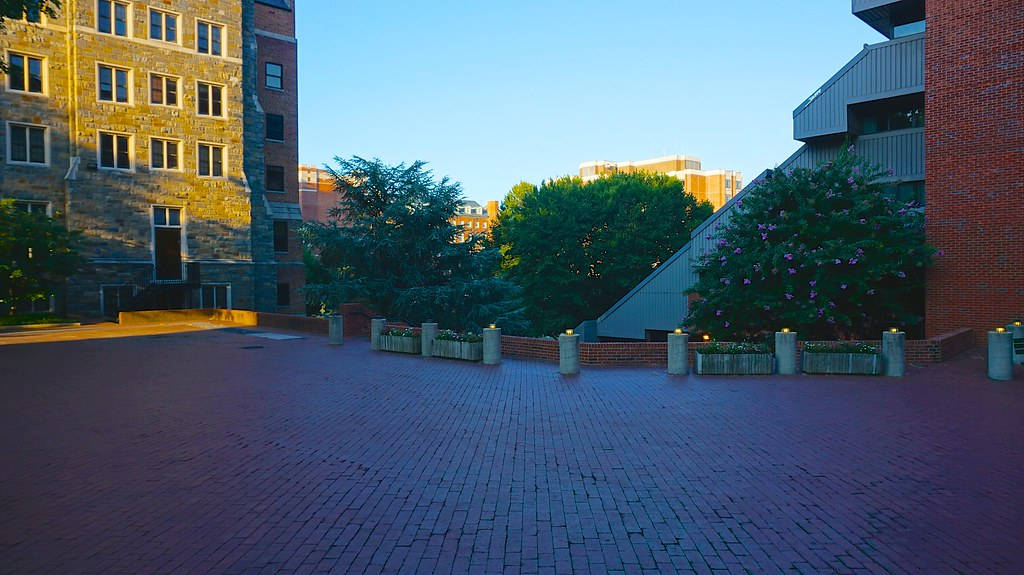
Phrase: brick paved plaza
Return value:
(221, 452)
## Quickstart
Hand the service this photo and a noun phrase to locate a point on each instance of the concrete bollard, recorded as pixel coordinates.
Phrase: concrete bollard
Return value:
(1000, 355)
(492, 345)
(428, 333)
(894, 353)
(377, 325)
(568, 354)
(678, 348)
(785, 352)
(336, 330)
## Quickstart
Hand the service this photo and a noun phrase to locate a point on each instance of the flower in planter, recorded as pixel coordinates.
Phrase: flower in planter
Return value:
(452, 335)
(400, 332)
(840, 347)
(733, 347)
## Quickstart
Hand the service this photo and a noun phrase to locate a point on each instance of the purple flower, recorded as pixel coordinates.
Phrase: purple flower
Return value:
(842, 286)
(851, 148)
(832, 304)
(890, 172)
(901, 275)
(764, 236)
(821, 312)
(746, 281)
(812, 283)
(789, 257)
(831, 320)
(782, 213)
(871, 292)
(838, 261)
(739, 204)
(814, 294)
(761, 226)
(738, 251)
(940, 253)
(771, 227)
(708, 237)
(722, 243)
(863, 221)
(727, 324)
(726, 281)
(718, 312)
(789, 296)
(860, 252)
(721, 259)
(767, 307)
(902, 211)
(853, 261)
(850, 180)
(792, 272)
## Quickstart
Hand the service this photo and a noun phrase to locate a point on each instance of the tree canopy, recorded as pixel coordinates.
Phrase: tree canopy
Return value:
(824, 251)
(391, 243)
(575, 248)
(36, 255)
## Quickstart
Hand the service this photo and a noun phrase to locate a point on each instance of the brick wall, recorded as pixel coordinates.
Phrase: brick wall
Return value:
(529, 348)
(974, 134)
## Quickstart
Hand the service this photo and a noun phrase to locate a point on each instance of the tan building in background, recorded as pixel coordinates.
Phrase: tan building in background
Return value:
(316, 193)
(715, 186)
(475, 219)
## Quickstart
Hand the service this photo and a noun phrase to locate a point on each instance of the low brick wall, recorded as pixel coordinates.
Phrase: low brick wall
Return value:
(620, 353)
(529, 348)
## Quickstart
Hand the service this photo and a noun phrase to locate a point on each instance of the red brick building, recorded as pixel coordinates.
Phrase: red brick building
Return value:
(277, 90)
(974, 163)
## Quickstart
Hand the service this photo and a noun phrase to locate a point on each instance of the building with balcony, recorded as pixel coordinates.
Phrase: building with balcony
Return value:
(714, 186)
(166, 134)
(937, 102)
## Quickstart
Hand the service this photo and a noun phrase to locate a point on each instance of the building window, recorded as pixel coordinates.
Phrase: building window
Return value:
(163, 154)
(163, 26)
(280, 236)
(283, 295)
(115, 151)
(163, 90)
(25, 73)
(167, 243)
(275, 127)
(33, 207)
(113, 84)
(210, 100)
(26, 144)
(112, 17)
(274, 76)
(215, 296)
(208, 38)
(275, 178)
(211, 160)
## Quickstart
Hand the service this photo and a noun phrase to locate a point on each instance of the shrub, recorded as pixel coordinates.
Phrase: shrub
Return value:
(451, 335)
(733, 347)
(400, 332)
(840, 347)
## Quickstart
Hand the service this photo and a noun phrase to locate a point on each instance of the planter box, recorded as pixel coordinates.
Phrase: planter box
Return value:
(400, 344)
(735, 363)
(842, 363)
(459, 349)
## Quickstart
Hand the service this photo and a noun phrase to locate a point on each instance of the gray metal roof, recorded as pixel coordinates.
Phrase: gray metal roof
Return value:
(284, 211)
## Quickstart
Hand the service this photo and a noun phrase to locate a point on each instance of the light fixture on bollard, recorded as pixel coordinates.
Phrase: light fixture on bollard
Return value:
(492, 326)
(785, 330)
(678, 330)
(894, 330)
(1000, 329)
(568, 332)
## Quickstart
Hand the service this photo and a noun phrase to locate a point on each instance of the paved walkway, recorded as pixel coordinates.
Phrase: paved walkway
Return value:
(221, 452)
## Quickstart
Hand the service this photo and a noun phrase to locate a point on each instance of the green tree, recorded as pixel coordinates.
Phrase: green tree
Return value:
(17, 9)
(391, 243)
(36, 255)
(824, 251)
(576, 248)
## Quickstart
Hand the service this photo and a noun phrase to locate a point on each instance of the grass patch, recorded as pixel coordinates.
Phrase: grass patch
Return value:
(30, 318)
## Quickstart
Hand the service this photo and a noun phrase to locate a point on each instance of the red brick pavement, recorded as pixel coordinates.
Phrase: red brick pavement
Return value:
(189, 453)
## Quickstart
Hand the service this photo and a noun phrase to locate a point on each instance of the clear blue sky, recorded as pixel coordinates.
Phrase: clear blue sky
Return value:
(494, 93)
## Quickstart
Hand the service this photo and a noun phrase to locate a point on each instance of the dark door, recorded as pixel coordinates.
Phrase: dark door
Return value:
(168, 253)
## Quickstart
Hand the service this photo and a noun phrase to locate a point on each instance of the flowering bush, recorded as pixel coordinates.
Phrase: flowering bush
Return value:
(733, 348)
(450, 335)
(840, 347)
(400, 332)
(824, 250)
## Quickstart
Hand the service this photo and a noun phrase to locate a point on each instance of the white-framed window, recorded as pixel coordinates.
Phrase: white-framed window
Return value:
(273, 76)
(113, 84)
(210, 160)
(164, 154)
(34, 207)
(163, 90)
(28, 144)
(26, 73)
(115, 151)
(113, 17)
(209, 100)
(209, 38)
(163, 25)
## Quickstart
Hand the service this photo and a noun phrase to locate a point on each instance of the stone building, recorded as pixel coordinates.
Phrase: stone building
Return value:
(474, 219)
(167, 135)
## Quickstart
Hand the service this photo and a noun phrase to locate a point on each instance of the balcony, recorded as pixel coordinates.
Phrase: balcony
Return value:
(880, 71)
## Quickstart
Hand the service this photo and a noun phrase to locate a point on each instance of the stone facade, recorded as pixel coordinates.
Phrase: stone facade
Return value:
(112, 95)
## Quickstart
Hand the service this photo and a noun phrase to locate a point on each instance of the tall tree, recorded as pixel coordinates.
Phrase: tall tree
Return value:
(824, 251)
(576, 248)
(36, 255)
(391, 243)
